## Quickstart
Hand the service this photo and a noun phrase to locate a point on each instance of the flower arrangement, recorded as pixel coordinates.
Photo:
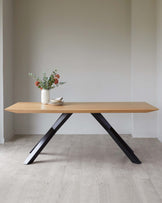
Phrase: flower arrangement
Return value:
(46, 82)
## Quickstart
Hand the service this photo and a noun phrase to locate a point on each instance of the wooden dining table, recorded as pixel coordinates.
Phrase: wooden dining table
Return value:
(94, 108)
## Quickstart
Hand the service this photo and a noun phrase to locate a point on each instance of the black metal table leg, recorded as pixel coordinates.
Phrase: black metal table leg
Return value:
(46, 138)
(34, 147)
(115, 136)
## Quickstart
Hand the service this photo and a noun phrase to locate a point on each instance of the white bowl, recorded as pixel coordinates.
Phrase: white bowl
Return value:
(56, 103)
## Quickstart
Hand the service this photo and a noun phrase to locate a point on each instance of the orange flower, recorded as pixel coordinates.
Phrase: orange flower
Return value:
(57, 76)
(37, 83)
(56, 81)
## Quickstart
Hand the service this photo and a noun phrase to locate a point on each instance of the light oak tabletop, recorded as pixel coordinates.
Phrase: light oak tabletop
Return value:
(82, 107)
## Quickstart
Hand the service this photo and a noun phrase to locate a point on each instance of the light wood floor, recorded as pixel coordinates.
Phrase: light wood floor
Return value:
(80, 169)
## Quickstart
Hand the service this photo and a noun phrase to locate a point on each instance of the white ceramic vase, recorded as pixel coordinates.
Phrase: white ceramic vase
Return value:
(45, 96)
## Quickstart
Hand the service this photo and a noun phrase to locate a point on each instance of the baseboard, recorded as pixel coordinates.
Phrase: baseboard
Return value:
(160, 139)
(1, 141)
(122, 134)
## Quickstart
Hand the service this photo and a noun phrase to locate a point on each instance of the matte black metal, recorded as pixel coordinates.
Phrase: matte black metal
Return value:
(115, 136)
(34, 147)
(46, 138)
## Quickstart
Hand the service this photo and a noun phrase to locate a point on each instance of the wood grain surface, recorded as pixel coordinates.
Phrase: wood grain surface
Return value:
(82, 107)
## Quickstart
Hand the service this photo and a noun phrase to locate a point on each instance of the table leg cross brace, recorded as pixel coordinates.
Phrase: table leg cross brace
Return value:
(62, 119)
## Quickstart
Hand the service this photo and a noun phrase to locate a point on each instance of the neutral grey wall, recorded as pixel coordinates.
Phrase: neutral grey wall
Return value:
(1, 75)
(89, 41)
(6, 69)
(8, 65)
(159, 66)
(143, 64)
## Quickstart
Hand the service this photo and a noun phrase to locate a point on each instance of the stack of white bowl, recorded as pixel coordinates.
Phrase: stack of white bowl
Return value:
(58, 101)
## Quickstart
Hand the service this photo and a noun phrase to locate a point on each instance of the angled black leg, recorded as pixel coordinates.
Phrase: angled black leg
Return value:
(46, 138)
(34, 147)
(115, 136)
